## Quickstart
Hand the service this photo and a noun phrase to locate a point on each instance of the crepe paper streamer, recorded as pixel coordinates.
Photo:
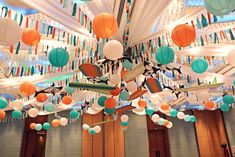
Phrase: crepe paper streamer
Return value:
(53, 32)
(16, 17)
(74, 9)
(215, 18)
(216, 38)
(153, 85)
(11, 49)
(49, 30)
(18, 48)
(5, 10)
(21, 19)
(231, 34)
(82, 18)
(209, 17)
(65, 4)
(27, 22)
(204, 21)
(202, 42)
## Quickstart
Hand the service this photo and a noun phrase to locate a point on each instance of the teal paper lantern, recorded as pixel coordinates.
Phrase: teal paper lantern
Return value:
(165, 55)
(187, 118)
(3, 103)
(199, 65)
(49, 107)
(70, 90)
(149, 111)
(124, 123)
(173, 112)
(109, 111)
(192, 119)
(46, 126)
(16, 114)
(228, 99)
(58, 57)
(127, 64)
(101, 100)
(161, 121)
(234, 82)
(124, 96)
(38, 127)
(74, 114)
(225, 107)
(92, 131)
(220, 7)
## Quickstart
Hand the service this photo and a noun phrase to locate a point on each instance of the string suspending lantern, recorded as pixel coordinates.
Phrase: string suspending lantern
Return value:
(27, 88)
(199, 65)
(33, 112)
(58, 57)
(113, 50)
(30, 37)
(165, 55)
(220, 7)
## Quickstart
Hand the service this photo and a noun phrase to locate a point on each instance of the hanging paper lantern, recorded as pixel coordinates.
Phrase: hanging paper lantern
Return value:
(187, 118)
(70, 90)
(55, 123)
(155, 118)
(199, 65)
(3, 103)
(180, 115)
(46, 126)
(225, 107)
(149, 111)
(17, 104)
(2, 114)
(104, 25)
(173, 112)
(116, 91)
(101, 100)
(67, 100)
(161, 121)
(165, 55)
(33, 112)
(192, 119)
(166, 122)
(131, 86)
(27, 88)
(97, 129)
(113, 50)
(49, 107)
(164, 107)
(10, 32)
(124, 123)
(31, 37)
(124, 118)
(16, 114)
(124, 95)
(183, 35)
(32, 126)
(109, 111)
(58, 57)
(218, 7)
(92, 131)
(228, 99)
(85, 127)
(110, 103)
(209, 105)
(41, 97)
(115, 79)
(127, 64)
(169, 125)
(74, 114)
(142, 103)
(63, 121)
(234, 82)
(38, 127)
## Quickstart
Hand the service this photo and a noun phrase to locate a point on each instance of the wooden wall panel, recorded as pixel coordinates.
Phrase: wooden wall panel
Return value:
(86, 137)
(109, 143)
(97, 144)
(119, 139)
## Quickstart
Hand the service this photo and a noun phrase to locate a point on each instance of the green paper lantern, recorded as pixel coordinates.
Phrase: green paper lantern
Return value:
(187, 118)
(92, 131)
(3, 103)
(101, 100)
(70, 90)
(225, 107)
(49, 107)
(109, 111)
(127, 64)
(46, 126)
(58, 57)
(149, 111)
(16, 114)
(192, 119)
(234, 82)
(124, 123)
(38, 127)
(199, 65)
(173, 112)
(74, 114)
(124, 95)
(228, 99)
(161, 122)
(220, 7)
(165, 55)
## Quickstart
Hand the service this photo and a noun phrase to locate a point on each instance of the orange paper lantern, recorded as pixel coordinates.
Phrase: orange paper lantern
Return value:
(41, 97)
(67, 100)
(55, 123)
(183, 35)
(166, 123)
(31, 37)
(209, 105)
(110, 103)
(2, 114)
(165, 107)
(142, 103)
(116, 91)
(105, 25)
(32, 126)
(27, 88)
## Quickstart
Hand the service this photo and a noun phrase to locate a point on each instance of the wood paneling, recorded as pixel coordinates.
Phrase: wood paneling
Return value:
(119, 139)
(87, 137)
(97, 143)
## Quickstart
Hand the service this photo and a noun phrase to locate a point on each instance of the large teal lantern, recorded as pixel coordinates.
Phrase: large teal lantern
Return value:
(101, 100)
(173, 112)
(3, 103)
(220, 7)
(165, 55)
(16, 114)
(74, 114)
(58, 57)
(46, 126)
(149, 111)
(124, 95)
(199, 65)
(49, 107)
(225, 107)
(228, 99)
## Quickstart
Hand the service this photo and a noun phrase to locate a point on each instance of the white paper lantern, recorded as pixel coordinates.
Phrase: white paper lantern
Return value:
(10, 32)
(231, 58)
(170, 124)
(97, 129)
(180, 115)
(131, 86)
(33, 112)
(155, 118)
(85, 127)
(115, 79)
(113, 50)
(63, 121)
(124, 118)
(17, 105)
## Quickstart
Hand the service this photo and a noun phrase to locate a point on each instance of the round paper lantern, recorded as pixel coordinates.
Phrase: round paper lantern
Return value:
(124, 123)
(33, 112)
(166, 122)
(165, 55)
(101, 100)
(41, 97)
(183, 35)
(97, 129)
(161, 121)
(27, 88)
(85, 127)
(31, 37)
(32, 126)
(104, 25)
(124, 95)
(115, 79)
(63, 121)
(70, 90)
(131, 86)
(142, 103)
(17, 104)
(92, 131)
(225, 107)
(46, 126)
(228, 99)
(173, 112)
(169, 125)
(10, 32)
(109, 111)
(149, 111)
(155, 118)
(127, 64)
(165, 107)
(209, 105)
(55, 123)
(67, 100)
(110, 103)
(2, 114)
(116, 91)
(231, 59)
(74, 114)
(3, 103)
(16, 114)
(124, 118)
(58, 57)
(49, 107)
(192, 119)
(199, 65)
(180, 115)
(38, 127)
(113, 50)
(218, 7)
(187, 118)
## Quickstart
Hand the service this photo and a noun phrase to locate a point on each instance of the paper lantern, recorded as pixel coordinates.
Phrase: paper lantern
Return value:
(55, 123)
(110, 103)
(131, 86)
(41, 97)
(31, 37)
(220, 7)
(92, 131)
(32, 126)
(85, 127)
(58, 57)
(63, 121)
(183, 35)
(165, 55)
(115, 79)
(33, 112)
(228, 99)
(166, 122)
(155, 118)
(10, 32)
(38, 127)
(2, 114)
(74, 114)
(173, 112)
(70, 90)
(67, 100)
(164, 107)
(234, 82)
(161, 121)
(199, 65)
(97, 129)
(231, 59)
(225, 107)
(109, 111)
(209, 105)
(127, 64)
(124, 123)
(180, 115)
(17, 104)
(124, 118)
(104, 25)
(101, 100)
(142, 103)
(113, 50)
(3, 103)
(124, 95)
(46, 126)
(116, 91)
(192, 119)
(27, 88)
(149, 111)
(16, 114)
(187, 118)
(49, 107)
(169, 125)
